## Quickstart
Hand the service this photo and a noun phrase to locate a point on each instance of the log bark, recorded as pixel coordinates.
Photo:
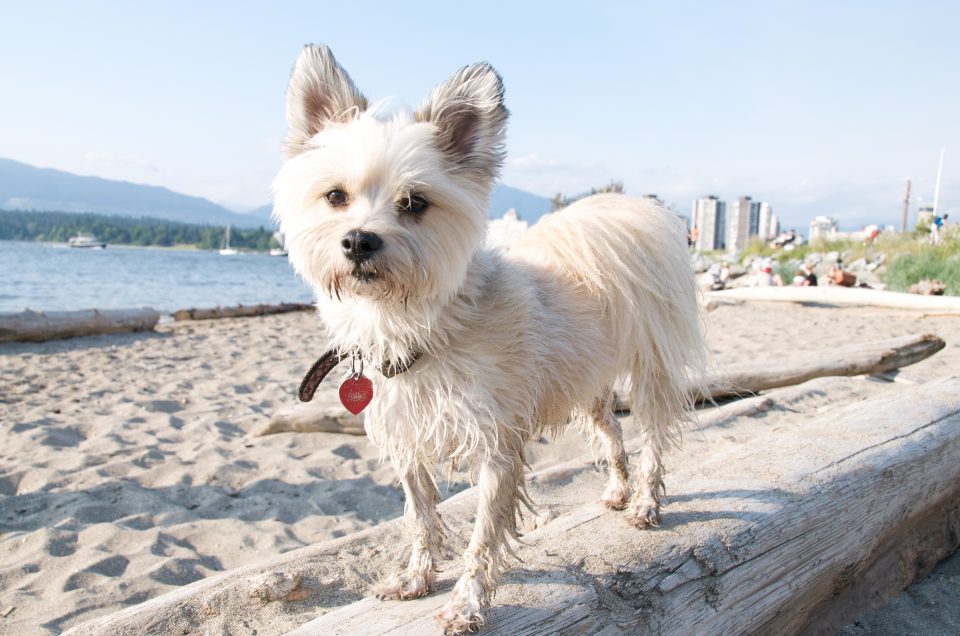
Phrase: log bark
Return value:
(36, 326)
(845, 296)
(787, 533)
(240, 311)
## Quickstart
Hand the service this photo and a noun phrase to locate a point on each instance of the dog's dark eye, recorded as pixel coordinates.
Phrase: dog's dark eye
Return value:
(414, 203)
(336, 198)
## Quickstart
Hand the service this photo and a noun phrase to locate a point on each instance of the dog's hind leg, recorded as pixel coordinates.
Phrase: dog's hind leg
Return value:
(424, 524)
(644, 510)
(655, 406)
(500, 491)
(605, 428)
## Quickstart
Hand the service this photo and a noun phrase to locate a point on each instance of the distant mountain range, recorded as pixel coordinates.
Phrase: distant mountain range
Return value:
(25, 187)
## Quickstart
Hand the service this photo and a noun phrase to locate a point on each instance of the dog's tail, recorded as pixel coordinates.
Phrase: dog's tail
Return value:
(631, 255)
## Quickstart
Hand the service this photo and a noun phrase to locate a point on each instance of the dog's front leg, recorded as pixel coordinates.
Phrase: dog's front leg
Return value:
(496, 521)
(423, 523)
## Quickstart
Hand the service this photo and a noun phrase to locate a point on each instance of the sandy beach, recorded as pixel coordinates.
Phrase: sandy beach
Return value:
(129, 465)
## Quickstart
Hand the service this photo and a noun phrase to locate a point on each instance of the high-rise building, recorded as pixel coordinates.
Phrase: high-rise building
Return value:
(768, 226)
(740, 222)
(823, 227)
(755, 218)
(710, 223)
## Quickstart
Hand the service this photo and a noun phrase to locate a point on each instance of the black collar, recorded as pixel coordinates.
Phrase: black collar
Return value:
(329, 360)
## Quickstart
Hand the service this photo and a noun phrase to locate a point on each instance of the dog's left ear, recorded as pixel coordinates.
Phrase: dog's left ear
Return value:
(471, 120)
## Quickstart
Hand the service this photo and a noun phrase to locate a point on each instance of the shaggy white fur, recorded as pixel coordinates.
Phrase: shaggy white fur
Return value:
(512, 343)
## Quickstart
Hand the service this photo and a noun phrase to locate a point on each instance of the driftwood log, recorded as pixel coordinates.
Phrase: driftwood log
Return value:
(844, 296)
(36, 326)
(796, 528)
(869, 358)
(240, 311)
(859, 359)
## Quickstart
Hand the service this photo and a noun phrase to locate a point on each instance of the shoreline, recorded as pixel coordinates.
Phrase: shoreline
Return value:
(169, 248)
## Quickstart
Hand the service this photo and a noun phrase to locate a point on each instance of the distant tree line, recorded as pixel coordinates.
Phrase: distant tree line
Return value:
(58, 227)
(561, 200)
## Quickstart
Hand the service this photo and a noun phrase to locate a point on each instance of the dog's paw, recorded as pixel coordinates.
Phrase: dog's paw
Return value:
(644, 514)
(456, 619)
(404, 585)
(616, 496)
(465, 612)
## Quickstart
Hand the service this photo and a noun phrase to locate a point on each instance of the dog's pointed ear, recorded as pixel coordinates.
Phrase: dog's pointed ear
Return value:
(471, 120)
(320, 91)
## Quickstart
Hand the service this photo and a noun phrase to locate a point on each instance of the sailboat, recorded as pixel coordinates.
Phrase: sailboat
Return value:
(227, 250)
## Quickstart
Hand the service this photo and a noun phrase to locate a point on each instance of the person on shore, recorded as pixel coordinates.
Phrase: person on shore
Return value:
(805, 277)
(766, 278)
(936, 229)
(935, 224)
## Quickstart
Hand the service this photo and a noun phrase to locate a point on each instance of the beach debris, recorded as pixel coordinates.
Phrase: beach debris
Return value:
(927, 287)
(867, 358)
(859, 359)
(318, 416)
(37, 326)
(278, 586)
(7, 610)
(240, 311)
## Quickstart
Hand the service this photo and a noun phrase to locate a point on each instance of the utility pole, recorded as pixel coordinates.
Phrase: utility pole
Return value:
(906, 209)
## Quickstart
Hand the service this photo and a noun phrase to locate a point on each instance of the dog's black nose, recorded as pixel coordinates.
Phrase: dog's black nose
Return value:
(358, 245)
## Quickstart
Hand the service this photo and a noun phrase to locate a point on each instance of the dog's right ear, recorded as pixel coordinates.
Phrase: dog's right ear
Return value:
(320, 91)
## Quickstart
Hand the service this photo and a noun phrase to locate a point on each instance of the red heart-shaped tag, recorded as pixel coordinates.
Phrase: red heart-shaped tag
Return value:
(356, 392)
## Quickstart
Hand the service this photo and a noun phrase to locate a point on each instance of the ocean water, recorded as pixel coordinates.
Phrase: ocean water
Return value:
(45, 276)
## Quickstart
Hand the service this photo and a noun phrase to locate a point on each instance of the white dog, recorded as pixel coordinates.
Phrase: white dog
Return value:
(474, 352)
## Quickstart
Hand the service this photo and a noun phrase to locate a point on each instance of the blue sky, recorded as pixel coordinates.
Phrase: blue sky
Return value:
(816, 107)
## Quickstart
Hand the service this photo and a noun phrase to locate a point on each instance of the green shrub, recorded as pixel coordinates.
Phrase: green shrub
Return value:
(940, 263)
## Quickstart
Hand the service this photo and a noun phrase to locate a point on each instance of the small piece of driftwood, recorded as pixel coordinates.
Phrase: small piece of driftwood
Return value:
(319, 416)
(240, 311)
(36, 326)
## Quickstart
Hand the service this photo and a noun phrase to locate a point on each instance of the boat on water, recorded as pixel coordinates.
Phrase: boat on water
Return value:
(226, 250)
(279, 251)
(83, 239)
